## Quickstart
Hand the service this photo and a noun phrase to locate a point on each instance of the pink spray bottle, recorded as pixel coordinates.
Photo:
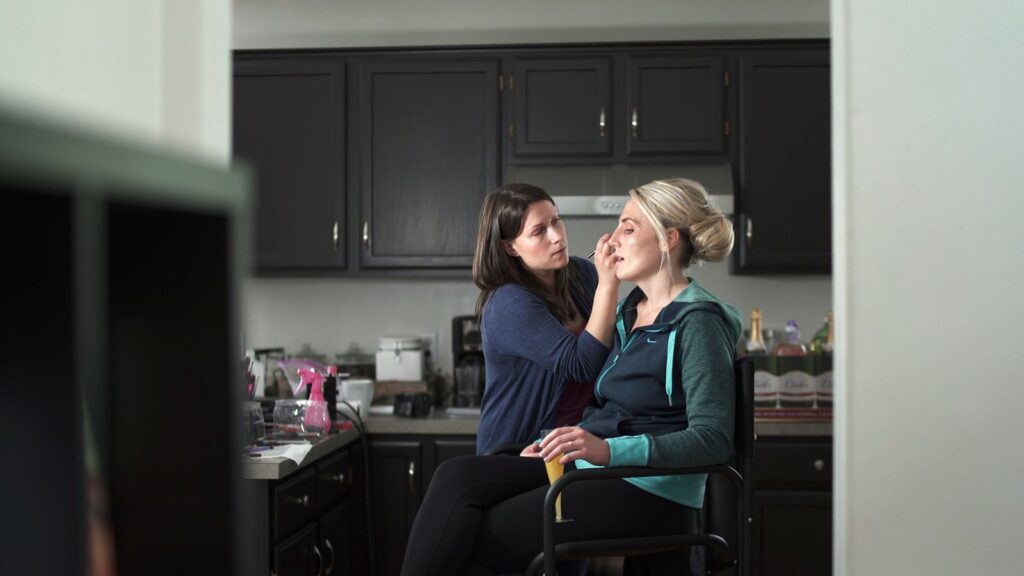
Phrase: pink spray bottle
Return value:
(317, 419)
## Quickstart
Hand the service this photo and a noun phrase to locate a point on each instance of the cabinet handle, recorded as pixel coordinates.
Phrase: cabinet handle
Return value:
(750, 231)
(339, 477)
(600, 122)
(304, 501)
(819, 465)
(330, 565)
(319, 560)
(334, 235)
(635, 122)
(412, 476)
(366, 235)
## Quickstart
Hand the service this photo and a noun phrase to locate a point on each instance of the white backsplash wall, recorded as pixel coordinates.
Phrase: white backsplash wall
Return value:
(331, 313)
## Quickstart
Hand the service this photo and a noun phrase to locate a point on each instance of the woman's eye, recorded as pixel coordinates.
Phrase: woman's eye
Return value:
(556, 220)
(627, 231)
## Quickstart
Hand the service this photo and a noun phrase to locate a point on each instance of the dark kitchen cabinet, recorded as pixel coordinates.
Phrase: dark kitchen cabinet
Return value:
(289, 125)
(334, 538)
(562, 107)
(792, 530)
(401, 467)
(397, 469)
(310, 520)
(575, 109)
(675, 105)
(783, 211)
(426, 143)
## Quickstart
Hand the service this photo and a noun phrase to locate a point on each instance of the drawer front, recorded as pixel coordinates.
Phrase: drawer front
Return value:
(294, 503)
(333, 477)
(793, 464)
(298, 555)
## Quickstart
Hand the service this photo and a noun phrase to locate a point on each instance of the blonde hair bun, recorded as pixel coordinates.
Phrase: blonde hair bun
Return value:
(685, 205)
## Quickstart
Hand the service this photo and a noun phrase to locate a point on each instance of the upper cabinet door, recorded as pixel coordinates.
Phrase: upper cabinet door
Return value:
(674, 105)
(562, 107)
(784, 219)
(428, 147)
(289, 125)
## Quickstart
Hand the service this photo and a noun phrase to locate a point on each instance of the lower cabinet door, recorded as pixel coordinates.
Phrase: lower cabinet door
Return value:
(792, 533)
(334, 539)
(298, 555)
(397, 469)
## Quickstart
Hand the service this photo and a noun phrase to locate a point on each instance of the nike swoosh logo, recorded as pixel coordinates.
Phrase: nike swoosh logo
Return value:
(649, 341)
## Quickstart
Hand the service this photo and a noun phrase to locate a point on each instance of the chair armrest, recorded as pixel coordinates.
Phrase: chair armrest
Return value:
(617, 472)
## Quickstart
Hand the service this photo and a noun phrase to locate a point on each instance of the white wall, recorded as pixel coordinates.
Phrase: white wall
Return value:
(330, 314)
(928, 134)
(151, 70)
(330, 23)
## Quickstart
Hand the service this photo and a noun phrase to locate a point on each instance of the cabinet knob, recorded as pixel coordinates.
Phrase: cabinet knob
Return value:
(819, 465)
(600, 122)
(304, 501)
(635, 123)
(750, 230)
(334, 235)
(412, 477)
(366, 234)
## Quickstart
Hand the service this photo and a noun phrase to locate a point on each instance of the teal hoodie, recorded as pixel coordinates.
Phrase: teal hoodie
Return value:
(666, 395)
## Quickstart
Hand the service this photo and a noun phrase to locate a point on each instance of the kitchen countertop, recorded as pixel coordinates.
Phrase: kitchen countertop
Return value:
(440, 423)
(437, 423)
(277, 468)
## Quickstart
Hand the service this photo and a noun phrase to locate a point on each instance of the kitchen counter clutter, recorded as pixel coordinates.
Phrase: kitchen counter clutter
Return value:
(439, 423)
(262, 468)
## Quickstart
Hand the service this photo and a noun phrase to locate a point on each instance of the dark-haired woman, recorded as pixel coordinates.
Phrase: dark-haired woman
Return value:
(546, 319)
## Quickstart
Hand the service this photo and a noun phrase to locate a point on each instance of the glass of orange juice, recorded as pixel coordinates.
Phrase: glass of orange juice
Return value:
(555, 470)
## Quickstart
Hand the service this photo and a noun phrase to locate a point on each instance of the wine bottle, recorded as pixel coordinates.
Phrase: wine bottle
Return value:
(755, 345)
(823, 392)
(766, 384)
(797, 386)
(791, 344)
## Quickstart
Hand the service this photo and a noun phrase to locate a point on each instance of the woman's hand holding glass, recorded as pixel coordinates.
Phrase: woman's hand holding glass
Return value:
(569, 444)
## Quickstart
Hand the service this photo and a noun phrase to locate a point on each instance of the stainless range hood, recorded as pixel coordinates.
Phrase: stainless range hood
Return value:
(601, 191)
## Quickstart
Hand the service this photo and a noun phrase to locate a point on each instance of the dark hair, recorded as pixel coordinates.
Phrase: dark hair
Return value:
(501, 218)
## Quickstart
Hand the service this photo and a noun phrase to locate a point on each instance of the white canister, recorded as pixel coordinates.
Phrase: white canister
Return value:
(358, 393)
(399, 358)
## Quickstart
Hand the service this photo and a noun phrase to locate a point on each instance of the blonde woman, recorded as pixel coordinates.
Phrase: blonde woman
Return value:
(665, 398)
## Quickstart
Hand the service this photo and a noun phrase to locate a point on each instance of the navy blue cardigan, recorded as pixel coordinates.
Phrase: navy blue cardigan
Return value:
(529, 356)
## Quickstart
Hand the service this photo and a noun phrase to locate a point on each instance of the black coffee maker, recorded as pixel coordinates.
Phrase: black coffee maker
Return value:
(468, 359)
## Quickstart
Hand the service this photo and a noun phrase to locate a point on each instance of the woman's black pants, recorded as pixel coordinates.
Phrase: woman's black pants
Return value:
(482, 515)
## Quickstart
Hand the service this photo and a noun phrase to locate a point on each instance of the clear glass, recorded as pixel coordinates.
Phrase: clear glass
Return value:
(288, 416)
(555, 471)
(254, 426)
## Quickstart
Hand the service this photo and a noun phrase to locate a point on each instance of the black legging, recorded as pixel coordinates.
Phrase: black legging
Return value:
(483, 515)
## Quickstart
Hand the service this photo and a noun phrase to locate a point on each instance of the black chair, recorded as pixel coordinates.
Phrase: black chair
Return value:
(727, 502)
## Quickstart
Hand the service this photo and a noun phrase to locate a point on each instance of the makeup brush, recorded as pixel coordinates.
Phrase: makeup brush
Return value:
(594, 251)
